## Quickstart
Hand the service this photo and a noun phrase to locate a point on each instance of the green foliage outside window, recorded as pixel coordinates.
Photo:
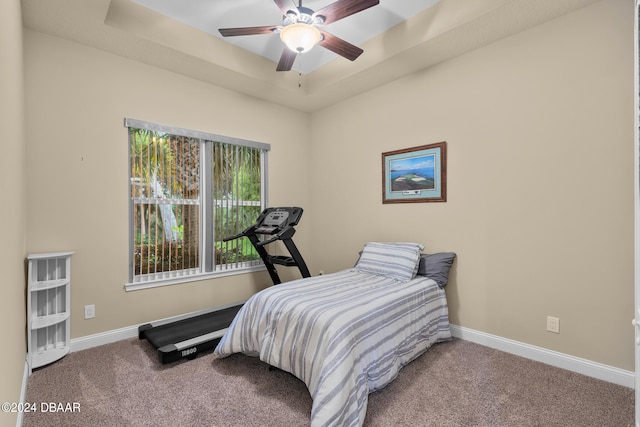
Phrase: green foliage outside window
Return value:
(166, 189)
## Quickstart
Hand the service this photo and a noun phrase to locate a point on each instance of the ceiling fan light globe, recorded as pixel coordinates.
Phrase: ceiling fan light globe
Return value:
(300, 37)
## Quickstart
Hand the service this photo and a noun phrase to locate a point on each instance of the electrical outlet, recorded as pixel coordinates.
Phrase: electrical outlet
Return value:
(89, 311)
(553, 324)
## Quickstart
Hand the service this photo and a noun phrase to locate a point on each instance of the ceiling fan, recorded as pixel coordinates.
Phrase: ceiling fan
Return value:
(300, 32)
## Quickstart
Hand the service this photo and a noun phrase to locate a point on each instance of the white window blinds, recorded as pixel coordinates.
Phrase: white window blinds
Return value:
(188, 191)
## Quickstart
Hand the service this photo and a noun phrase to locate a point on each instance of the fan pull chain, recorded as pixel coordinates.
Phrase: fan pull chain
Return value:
(300, 60)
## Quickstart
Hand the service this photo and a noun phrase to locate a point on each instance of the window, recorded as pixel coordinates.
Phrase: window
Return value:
(189, 190)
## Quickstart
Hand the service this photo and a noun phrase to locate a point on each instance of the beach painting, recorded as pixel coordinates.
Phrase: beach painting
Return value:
(416, 174)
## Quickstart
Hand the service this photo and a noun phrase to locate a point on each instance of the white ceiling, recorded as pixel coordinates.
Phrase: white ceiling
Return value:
(211, 15)
(399, 37)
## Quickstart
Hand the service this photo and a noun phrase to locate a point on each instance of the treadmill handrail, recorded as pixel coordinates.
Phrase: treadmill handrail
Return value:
(244, 233)
(285, 233)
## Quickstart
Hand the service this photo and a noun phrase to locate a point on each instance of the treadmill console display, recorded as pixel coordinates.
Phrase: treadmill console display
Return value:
(274, 220)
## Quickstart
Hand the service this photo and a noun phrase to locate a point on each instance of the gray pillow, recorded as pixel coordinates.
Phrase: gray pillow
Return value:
(436, 266)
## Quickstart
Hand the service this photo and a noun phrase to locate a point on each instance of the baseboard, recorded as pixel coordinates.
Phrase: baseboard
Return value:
(103, 338)
(23, 392)
(571, 363)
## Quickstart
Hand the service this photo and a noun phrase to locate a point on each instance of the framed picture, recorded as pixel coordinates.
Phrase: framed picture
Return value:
(415, 175)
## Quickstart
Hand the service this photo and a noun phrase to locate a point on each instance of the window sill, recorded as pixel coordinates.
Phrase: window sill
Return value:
(193, 278)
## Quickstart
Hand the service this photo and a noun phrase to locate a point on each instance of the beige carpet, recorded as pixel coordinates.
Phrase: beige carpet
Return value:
(455, 383)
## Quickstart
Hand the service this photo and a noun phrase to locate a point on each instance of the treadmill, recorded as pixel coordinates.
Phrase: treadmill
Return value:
(190, 335)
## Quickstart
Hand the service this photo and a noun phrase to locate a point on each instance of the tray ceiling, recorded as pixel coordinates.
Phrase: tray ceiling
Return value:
(209, 16)
(398, 38)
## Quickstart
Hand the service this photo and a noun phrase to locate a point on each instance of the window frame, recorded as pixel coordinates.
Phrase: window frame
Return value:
(208, 268)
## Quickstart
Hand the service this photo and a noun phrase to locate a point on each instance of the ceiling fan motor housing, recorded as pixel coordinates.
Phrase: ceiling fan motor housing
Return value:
(304, 15)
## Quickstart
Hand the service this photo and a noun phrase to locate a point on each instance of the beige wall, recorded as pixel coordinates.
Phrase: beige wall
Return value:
(12, 194)
(539, 130)
(77, 98)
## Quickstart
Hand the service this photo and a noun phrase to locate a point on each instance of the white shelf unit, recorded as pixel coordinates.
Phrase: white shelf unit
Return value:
(48, 308)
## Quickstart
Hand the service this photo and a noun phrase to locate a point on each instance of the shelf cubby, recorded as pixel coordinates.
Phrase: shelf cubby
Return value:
(48, 307)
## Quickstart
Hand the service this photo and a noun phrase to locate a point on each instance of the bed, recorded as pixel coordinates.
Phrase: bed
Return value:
(347, 334)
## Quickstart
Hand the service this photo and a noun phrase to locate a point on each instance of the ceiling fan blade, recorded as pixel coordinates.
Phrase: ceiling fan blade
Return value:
(343, 8)
(286, 60)
(247, 31)
(339, 46)
(286, 5)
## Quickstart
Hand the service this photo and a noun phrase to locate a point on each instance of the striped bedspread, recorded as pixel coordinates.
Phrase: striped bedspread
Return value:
(345, 335)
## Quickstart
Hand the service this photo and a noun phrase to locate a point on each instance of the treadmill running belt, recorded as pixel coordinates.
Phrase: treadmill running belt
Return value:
(192, 327)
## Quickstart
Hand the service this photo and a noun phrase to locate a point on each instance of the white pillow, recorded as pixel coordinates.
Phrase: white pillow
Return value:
(396, 260)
